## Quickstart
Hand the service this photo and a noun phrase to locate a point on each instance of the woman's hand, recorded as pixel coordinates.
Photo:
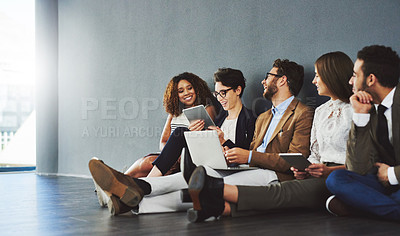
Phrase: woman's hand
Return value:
(219, 132)
(318, 170)
(315, 170)
(196, 125)
(299, 174)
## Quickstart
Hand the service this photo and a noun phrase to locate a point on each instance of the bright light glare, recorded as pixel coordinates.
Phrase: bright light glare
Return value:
(17, 80)
(17, 41)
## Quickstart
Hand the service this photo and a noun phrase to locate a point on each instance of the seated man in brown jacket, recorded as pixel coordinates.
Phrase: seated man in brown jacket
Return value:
(286, 127)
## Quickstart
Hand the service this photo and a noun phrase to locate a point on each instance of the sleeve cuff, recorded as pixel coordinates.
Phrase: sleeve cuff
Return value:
(361, 119)
(250, 155)
(392, 177)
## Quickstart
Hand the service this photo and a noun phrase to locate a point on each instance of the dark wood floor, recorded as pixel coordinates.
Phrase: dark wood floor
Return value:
(50, 205)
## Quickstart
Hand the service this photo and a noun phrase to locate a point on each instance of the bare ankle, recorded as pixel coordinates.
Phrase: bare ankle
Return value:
(227, 210)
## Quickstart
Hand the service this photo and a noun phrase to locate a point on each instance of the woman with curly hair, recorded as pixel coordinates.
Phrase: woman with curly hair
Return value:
(235, 128)
(183, 91)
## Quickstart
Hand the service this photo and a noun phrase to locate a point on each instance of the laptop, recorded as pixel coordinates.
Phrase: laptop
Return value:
(206, 150)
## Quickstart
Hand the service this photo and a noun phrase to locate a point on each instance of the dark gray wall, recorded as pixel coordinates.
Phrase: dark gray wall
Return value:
(115, 58)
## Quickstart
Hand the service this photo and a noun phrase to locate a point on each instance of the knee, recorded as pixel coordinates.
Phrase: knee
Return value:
(179, 131)
(334, 179)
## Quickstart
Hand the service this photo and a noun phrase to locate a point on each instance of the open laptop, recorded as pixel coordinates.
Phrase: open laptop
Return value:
(205, 149)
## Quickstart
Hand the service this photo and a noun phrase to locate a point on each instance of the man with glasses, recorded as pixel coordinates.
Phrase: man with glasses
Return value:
(235, 126)
(286, 127)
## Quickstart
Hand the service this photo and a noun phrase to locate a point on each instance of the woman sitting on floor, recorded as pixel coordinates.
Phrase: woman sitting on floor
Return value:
(183, 91)
(329, 134)
(236, 129)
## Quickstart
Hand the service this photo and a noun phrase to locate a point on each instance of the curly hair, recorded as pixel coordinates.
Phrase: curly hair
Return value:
(171, 101)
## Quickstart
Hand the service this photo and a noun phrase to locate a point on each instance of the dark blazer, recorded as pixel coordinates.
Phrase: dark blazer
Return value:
(363, 149)
(244, 128)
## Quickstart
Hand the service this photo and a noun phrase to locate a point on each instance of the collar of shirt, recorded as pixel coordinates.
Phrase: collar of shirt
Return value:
(281, 108)
(388, 100)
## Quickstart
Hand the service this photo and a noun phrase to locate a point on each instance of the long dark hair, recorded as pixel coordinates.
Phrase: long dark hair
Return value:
(335, 70)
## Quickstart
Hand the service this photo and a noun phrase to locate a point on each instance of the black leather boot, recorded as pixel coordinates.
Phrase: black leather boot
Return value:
(207, 196)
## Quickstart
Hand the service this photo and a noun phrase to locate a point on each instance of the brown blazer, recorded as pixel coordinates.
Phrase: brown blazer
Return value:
(363, 149)
(292, 134)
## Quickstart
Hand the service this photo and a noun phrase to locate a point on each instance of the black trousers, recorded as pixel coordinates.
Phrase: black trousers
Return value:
(172, 151)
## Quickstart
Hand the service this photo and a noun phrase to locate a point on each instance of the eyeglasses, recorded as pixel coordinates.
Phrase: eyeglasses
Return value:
(221, 93)
(276, 75)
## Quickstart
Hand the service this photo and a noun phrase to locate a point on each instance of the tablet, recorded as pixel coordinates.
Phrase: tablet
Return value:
(198, 113)
(296, 160)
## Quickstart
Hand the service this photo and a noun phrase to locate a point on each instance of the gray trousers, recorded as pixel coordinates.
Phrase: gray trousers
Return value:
(308, 193)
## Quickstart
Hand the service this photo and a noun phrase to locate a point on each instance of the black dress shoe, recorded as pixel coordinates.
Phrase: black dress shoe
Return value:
(207, 196)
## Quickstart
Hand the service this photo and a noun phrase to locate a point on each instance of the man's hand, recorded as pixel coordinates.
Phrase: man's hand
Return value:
(382, 173)
(197, 125)
(237, 155)
(318, 170)
(361, 102)
(299, 174)
(220, 133)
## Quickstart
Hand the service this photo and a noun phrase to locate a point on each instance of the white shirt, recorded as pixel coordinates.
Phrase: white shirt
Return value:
(229, 129)
(179, 121)
(330, 132)
(361, 120)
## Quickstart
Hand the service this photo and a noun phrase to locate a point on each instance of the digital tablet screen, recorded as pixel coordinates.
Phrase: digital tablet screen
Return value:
(297, 160)
(198, 113)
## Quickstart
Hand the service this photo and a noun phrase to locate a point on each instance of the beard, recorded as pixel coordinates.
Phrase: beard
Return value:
(364, 86)
(272, 89)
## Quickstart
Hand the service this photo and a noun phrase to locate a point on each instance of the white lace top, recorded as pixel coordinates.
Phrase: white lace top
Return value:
(330, 131)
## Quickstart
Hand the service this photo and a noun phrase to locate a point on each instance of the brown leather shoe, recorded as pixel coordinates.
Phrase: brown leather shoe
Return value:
(337, 207)
(116, 207)
(116, 183)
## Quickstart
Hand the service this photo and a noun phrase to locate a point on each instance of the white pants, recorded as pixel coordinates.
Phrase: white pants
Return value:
(165, 190)
(258, 177)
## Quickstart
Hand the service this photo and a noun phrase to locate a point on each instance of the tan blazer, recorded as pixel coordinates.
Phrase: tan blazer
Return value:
(363, 149)
(292, 134)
